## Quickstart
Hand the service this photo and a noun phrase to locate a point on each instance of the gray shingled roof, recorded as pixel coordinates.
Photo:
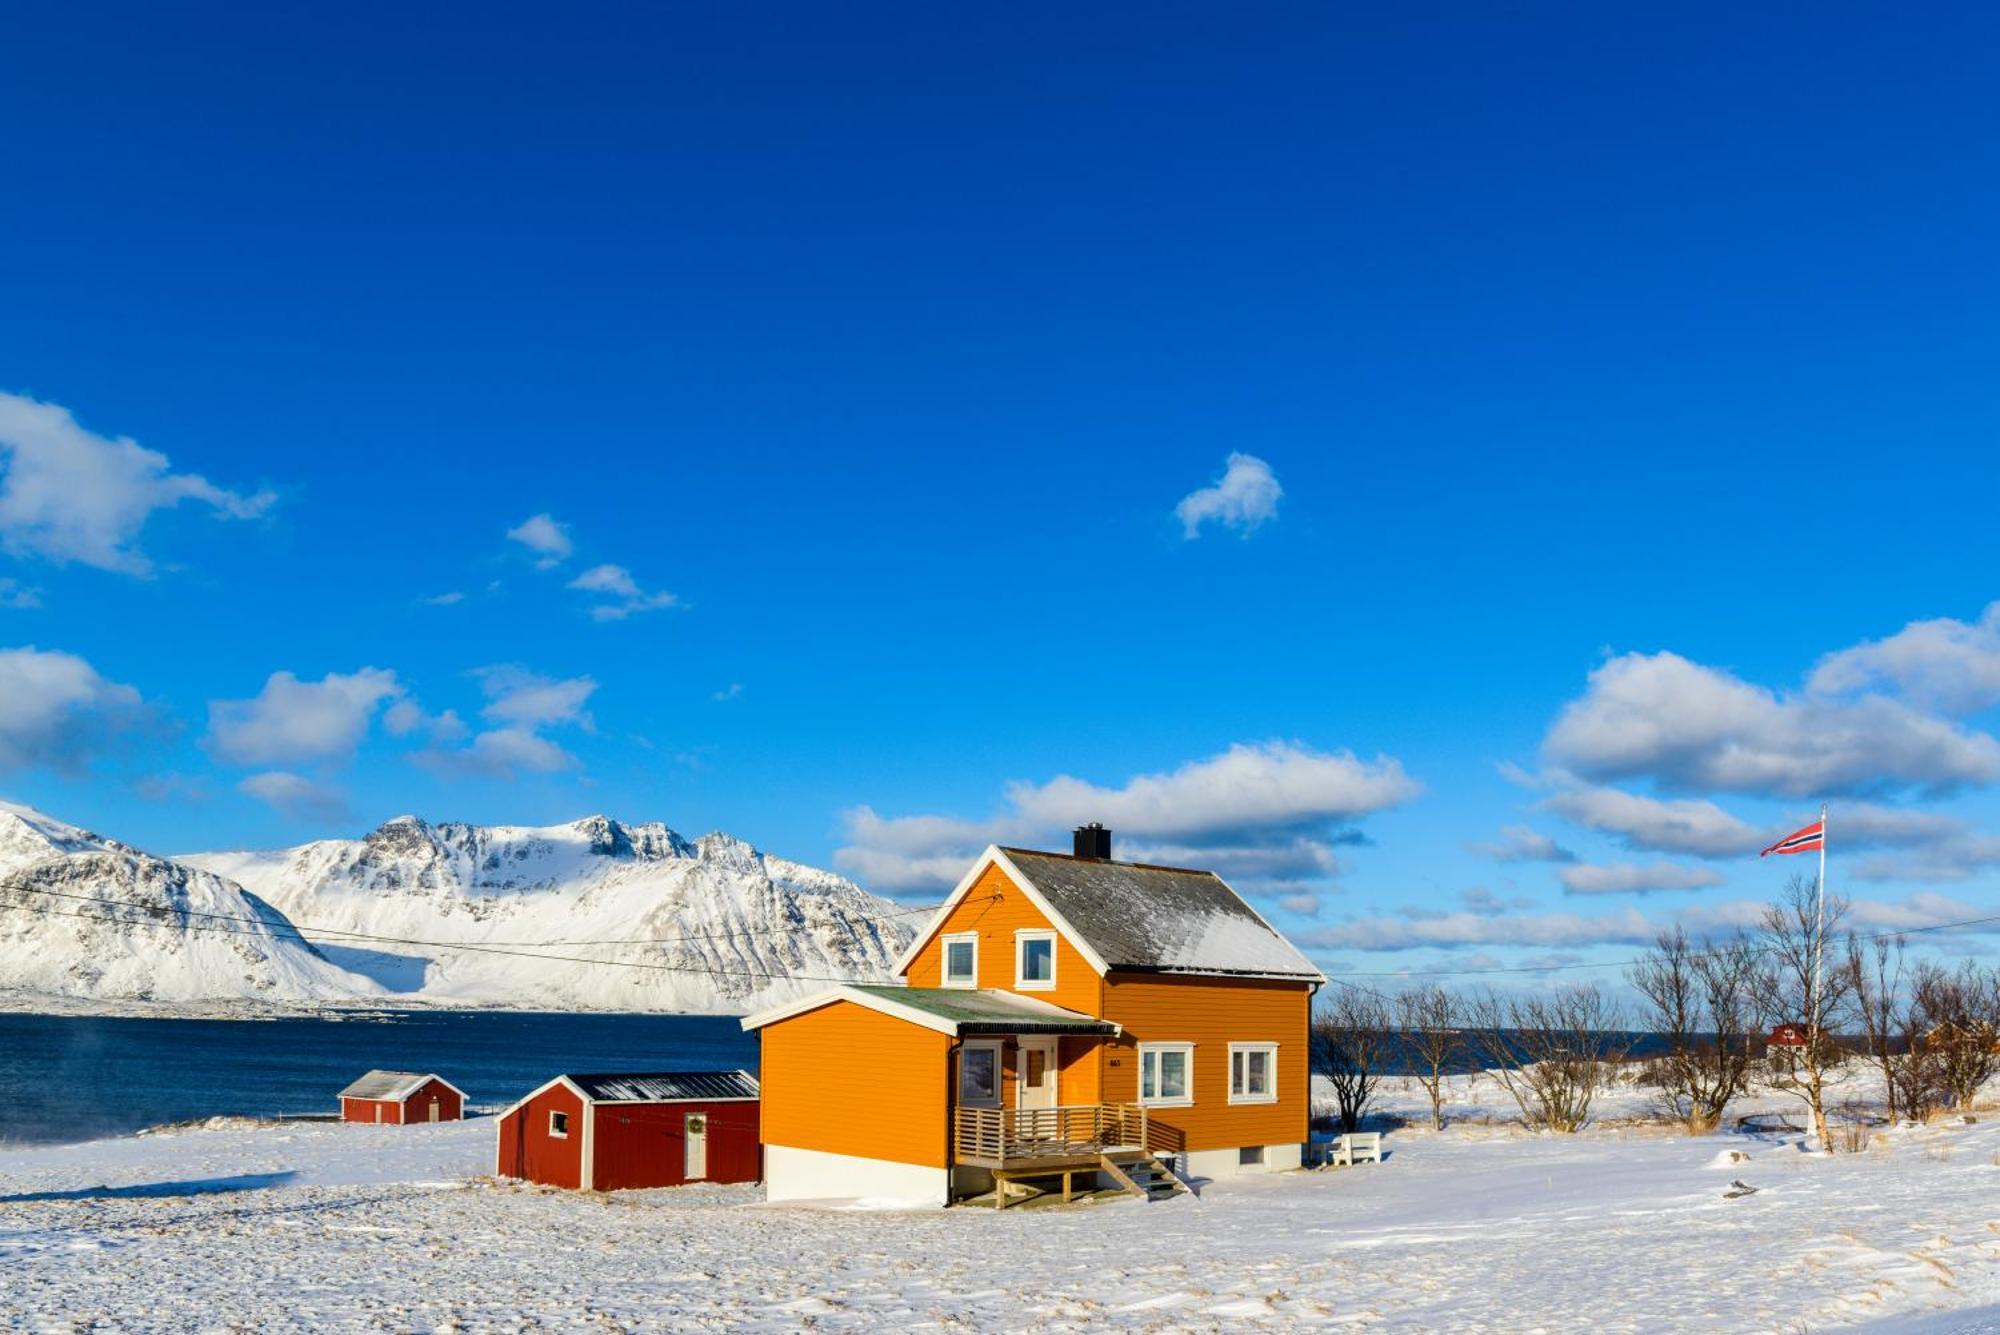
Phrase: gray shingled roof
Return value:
(385, 1085)
(986, 1011)
(1160, 919)
(666, 1086)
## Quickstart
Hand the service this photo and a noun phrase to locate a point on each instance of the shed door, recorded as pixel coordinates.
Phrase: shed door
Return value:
(434, 1108)
(696, 1131)
(378, 1113)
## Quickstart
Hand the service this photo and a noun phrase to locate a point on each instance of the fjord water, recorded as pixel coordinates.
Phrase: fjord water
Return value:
(71, 1078)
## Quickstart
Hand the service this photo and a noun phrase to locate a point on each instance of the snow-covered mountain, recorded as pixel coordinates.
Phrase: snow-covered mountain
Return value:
(594, 913)
(86, 916)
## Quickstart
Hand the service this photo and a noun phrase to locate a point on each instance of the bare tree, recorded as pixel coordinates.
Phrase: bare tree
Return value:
(1550, 1051)
(1428, 1018)
(1875, 977)
(1800, 984)
(1960, 1012)
(1702, 1001)
(1352, 1037)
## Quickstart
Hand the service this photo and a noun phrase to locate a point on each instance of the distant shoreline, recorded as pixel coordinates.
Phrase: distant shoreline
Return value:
(16, 1002)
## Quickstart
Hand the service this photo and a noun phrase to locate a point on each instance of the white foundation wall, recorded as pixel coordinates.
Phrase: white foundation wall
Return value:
(814, 1175)
(1228, 1163)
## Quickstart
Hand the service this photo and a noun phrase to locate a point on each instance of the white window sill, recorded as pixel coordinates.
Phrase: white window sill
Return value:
(1166, 1103)
(1024, 985)
(966, 984)
(1253, 1098)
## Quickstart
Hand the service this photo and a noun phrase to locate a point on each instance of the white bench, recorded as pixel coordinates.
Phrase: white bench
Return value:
(1356, 1147)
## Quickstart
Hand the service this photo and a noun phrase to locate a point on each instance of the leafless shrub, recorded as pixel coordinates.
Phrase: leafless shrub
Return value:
(1959, 1011)
(1351, 1040)
(1700, 999)
(1875, 977)
(1550, 1051)
(1428, 1019)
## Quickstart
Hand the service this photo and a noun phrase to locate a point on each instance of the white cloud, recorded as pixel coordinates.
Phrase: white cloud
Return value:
(617, 584)
(444, 599)
(1630, 878)
(1691, 727)
(296, 796)
(1520, 843)
(528, 699)
(1943, 663)
(292, 721)
(1247, 787)
(56, 711)
(729, 692)
(1245, 497)
(1690, 826)
(521, 704)
(69, 494)
(15, 594)
(1468, 928)
(542, 535)
(1268, 816)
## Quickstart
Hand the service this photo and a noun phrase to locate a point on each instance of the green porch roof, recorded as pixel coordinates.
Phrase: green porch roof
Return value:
(988, 1010)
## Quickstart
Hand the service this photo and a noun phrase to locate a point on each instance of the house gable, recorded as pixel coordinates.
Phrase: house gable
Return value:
(995, 905)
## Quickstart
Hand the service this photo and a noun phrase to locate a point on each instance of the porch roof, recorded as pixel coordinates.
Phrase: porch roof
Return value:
(949, 1010)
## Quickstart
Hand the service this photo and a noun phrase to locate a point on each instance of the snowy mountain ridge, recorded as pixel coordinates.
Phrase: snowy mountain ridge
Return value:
(592, 914)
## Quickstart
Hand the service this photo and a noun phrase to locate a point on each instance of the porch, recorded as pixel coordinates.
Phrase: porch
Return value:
(1117, 1140)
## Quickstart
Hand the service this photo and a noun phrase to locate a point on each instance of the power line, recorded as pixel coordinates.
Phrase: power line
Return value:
(1626, 964)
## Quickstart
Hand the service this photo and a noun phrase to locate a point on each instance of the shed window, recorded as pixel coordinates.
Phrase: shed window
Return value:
(1166, 1074)
(1253, 1072)
(1035, 960)
(961, 960)
(559, 1125)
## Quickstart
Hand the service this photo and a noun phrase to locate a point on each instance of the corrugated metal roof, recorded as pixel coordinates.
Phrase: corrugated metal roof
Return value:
(1169, 919)
(981, 1011)
(385, 1085)
(666, 1086)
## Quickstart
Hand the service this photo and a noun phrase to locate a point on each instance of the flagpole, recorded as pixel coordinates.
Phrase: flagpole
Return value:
(1819, 926)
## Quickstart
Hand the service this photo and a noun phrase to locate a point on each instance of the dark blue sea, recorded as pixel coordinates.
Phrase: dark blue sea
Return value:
(70, 1078)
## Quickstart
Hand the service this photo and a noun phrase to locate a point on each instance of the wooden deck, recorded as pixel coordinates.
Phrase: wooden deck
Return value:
(1116, 1139)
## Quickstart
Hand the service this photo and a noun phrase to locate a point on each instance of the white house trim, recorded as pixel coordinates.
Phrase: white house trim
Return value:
(541, 1089)
(995, 857)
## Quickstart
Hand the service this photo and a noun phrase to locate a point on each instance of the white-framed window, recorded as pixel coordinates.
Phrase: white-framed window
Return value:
(1253, 1072)
(979, 1075)
(1034, 960)
(559, 1125)
(960, 967)
(1166, 1074)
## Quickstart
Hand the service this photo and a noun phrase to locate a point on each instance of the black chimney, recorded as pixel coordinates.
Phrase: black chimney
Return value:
(1093, 841)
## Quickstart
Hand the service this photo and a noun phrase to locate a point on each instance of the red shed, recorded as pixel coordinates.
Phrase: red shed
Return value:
(611, 1132)
(1787, 1036)
(397, 1097)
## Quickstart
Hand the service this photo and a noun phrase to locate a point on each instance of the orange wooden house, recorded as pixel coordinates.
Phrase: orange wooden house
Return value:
(1062, 1016)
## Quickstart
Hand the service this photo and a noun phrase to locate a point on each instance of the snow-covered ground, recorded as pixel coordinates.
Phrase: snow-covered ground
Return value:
(1480, 1228)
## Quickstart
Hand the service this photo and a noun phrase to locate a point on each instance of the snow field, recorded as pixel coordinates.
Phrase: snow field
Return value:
(331, 1227)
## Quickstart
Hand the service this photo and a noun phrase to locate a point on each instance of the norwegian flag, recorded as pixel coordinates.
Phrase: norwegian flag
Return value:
(1804, 841)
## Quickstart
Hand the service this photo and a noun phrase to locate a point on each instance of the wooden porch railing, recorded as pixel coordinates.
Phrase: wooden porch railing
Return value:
(1000, 1137)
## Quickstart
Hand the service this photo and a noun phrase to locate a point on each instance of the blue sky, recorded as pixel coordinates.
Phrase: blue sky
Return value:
(859, 366)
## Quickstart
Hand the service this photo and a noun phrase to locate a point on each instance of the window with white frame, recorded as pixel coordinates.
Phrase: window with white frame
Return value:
(1166, 1074)
(1034, 960)
(979, 1075)
(559, 1125)
(1253, 1072)
(961, 960)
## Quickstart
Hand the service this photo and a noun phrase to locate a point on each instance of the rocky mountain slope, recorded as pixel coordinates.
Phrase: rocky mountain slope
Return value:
(86, 916)
(594, 913)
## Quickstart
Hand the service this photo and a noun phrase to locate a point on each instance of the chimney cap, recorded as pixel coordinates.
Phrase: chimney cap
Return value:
(1093, 841)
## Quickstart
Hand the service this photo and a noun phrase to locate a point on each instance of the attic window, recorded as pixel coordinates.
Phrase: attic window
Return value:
(961, 960)
(1034, 960)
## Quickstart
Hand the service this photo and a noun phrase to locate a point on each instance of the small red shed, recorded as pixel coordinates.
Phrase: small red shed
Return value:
(655, 1129)
(397, 1097)
(1787, 1036)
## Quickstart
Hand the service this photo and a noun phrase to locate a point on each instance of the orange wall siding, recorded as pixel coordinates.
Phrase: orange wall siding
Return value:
(995, 908)
(1212, 1013)
(844, 1079)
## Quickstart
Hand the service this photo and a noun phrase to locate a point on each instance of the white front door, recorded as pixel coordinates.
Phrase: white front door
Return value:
(696, 1165)
(1036, 1073)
